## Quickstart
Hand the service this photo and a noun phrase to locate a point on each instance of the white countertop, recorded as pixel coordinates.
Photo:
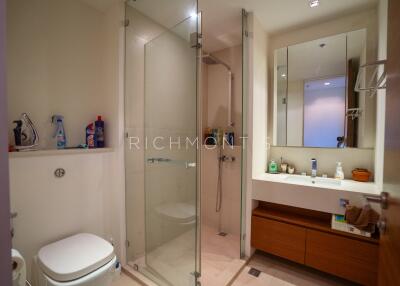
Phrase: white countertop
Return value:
(345, 185)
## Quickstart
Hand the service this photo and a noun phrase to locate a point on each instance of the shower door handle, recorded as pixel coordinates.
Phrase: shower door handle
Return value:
(170, 161)
(190, 165)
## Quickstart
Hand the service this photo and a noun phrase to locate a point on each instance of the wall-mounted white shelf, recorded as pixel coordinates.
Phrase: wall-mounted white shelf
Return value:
(56, 152)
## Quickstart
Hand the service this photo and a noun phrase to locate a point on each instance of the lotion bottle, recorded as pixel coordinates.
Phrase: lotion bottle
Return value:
(339, 171)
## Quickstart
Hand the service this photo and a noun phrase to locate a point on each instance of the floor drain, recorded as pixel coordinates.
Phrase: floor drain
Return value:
(254, 272)
(222, 234)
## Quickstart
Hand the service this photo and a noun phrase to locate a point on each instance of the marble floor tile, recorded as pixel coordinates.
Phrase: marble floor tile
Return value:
(124, 280)
(279, 272)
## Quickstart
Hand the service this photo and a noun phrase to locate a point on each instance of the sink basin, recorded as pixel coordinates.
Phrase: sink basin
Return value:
(318, 181)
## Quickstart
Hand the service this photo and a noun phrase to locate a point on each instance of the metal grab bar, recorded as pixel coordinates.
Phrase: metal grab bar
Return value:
(170, 161)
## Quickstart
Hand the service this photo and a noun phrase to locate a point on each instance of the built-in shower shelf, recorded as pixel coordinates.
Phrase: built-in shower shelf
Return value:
(55, 152)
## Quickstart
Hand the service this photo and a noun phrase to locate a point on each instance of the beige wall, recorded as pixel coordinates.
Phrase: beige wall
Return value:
(50, 208)
(216, 110)
(57, 64)
(327, 158)
(230, 216)
(381, 97)
(256, 87)
(71, 65)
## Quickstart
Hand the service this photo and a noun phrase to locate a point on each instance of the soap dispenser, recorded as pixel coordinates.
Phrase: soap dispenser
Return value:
(339, 171)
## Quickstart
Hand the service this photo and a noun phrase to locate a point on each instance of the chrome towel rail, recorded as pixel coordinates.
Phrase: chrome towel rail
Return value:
(186, 164)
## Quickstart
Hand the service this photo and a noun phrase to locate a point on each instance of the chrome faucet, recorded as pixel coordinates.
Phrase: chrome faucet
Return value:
(313, 168)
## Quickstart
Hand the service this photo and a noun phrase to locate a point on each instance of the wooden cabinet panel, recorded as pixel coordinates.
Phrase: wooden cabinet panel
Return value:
(281, 239)
(345, 257)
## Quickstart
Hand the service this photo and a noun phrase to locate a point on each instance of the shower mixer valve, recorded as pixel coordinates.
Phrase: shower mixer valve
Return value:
(227, 158)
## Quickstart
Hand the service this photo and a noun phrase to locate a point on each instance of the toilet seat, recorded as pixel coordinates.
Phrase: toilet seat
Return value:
(74, 257)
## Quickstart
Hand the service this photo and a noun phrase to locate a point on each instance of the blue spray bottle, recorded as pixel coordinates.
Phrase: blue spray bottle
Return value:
(61, 139)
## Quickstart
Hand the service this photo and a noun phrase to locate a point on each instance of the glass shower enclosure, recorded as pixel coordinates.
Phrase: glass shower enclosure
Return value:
(161, 154)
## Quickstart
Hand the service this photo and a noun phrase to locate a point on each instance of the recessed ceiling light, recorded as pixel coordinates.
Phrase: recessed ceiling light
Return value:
(314, 3)
(327, 83)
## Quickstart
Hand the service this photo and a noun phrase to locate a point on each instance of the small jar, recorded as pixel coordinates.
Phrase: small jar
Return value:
(291, 170)
(284, 167)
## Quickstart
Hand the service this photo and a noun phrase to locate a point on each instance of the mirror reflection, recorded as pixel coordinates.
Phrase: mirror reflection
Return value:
(315, 102)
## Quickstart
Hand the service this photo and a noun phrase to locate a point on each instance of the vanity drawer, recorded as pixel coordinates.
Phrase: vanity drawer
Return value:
(349, 258)
(281, 239)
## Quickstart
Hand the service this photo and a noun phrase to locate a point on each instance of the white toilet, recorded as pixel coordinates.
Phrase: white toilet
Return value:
(80, 260)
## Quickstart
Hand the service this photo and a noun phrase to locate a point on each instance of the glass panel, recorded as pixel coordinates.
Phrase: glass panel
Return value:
(245, 104)
(161, 151)
(170, 168)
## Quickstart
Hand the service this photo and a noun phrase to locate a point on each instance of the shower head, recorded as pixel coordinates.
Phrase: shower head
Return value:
(209, 59)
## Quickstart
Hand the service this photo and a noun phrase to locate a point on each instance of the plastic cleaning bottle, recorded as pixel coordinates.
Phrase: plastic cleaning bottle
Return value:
(61, 139)
(99, 126)
(91, 141)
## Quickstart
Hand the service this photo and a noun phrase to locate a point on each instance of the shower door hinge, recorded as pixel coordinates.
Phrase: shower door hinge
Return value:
(244, 236)
(195, 40)
(126, 23)
(127, 243)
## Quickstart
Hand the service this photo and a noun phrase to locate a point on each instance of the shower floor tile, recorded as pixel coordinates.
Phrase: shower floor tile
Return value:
(220, 257)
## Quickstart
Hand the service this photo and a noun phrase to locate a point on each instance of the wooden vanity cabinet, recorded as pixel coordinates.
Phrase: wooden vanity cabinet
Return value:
(305, 237)
(278, 238)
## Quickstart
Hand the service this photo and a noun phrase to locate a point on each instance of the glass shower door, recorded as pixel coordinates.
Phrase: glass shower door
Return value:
(170, 85)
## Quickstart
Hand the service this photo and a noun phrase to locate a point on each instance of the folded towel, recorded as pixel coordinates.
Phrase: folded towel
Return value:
(362, 218)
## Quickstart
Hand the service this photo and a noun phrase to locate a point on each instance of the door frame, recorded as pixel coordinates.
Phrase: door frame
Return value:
(5, 236)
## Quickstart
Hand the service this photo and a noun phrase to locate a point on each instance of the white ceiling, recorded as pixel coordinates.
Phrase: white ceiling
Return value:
(309, 61)
(222, 18)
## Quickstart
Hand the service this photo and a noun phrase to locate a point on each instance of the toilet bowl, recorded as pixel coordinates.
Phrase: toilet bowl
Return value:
(80, 260)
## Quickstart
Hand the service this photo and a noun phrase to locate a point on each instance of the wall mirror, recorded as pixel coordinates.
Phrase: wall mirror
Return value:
(315, 102)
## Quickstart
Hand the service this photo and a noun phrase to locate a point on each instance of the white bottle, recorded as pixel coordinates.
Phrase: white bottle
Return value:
(339, 171)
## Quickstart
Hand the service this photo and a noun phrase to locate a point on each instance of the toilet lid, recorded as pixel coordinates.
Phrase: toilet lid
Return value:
(75, 256)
